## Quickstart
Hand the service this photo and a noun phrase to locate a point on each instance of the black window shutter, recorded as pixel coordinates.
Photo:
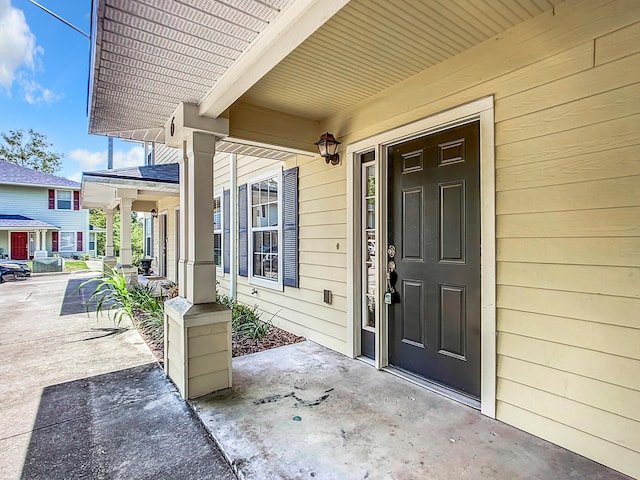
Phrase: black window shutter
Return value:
(243, 239)
(226, 237)
(290, 226)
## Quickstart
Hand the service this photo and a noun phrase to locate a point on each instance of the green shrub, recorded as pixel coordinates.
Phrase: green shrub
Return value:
(136, 258)
(149, 312)
(111, 294)
(146, 299)
(245, 320)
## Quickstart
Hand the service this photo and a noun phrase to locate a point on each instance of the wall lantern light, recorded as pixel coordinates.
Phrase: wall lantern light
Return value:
(154, 213)
(327, 147)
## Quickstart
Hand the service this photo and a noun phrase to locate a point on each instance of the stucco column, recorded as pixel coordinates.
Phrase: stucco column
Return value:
(125, 231)
(126, 268)
(183, 230)
(196, 225)
(109, 260)
(197, 332)
(109, 234)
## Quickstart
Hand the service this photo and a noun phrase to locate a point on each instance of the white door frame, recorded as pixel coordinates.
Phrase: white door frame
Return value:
(482, 110)
(163, 255)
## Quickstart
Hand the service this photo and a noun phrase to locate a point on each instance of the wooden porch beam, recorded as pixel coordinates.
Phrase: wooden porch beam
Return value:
(255, 125)
(298, 22)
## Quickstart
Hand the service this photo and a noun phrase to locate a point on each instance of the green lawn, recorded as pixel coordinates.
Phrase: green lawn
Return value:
(75, 265)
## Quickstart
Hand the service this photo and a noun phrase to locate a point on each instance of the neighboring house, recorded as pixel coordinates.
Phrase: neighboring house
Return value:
(40, 212)
(92, 246)
(489, 150)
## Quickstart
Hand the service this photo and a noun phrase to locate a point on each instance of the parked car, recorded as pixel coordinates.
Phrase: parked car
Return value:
(17, 269)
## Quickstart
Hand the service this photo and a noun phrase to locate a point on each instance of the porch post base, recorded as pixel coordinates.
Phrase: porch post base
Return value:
(197, 346)
(108, 263)
(130, 273)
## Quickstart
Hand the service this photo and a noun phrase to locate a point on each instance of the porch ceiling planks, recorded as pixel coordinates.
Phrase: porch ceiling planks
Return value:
(153, 54)
(371, 45)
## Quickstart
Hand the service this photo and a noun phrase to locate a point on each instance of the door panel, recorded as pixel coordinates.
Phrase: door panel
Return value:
(19, 249)
(434, 223)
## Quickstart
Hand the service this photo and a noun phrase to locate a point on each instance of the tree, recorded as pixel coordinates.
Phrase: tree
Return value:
(97, 218)
(31, 150)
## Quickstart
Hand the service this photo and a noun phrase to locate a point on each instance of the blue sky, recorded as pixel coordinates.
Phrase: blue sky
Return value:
(44, 70)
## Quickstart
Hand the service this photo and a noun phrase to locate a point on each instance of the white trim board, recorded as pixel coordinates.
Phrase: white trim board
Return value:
(482, 110)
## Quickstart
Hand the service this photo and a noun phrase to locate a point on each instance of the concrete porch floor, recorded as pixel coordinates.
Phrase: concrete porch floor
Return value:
(304, 411)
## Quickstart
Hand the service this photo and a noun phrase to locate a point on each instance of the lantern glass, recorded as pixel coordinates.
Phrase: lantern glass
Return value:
(322, 148)
(327, 145)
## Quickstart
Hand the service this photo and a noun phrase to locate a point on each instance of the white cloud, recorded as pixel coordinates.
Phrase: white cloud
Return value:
(132, 158)
(20, 56)
(17, 43)
(35, 93)
(88, 160)
(76, 177)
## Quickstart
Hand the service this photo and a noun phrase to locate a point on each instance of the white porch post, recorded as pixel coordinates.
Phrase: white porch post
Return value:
(125, 231)
(127, 269)
(36, 234)
(109, 260)
(109, 234)
(197, 330)
(197, 221)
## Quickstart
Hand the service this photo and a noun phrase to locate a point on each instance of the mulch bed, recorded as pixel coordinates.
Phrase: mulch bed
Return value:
(276, 337)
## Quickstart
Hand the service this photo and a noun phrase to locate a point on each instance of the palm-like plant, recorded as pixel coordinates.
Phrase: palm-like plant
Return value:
(111, 294)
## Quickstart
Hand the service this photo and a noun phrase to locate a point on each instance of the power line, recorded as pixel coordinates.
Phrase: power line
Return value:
(61, 19)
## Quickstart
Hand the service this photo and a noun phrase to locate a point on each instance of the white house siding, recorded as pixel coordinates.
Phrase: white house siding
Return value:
(164, 154)
(567, 111)
(4, 241)
(33, 202)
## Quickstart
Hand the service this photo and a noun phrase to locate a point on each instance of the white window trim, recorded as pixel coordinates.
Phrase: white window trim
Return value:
(75, 241)
(482, 110)
(262, 282)
(72, 200)
(220, 268)
(363, 224)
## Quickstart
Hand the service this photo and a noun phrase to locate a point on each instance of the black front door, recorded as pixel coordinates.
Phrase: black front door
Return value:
(434, 225)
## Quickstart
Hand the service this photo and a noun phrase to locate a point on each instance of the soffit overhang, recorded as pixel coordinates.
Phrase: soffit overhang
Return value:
(148, 56)
(100, 188)
(372, 45)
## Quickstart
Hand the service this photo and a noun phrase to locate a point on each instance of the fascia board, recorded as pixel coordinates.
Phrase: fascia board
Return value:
(297, 23)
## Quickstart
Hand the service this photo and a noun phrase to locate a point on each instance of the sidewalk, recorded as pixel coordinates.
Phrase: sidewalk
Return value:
(80, 399)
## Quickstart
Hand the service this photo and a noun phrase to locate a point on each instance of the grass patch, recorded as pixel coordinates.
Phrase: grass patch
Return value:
(75, 265)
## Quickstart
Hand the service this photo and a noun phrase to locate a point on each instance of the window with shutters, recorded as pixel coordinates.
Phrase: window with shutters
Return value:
(67, 242)
(64, 200)
(268, 229)
(265, 230)
(217, 233)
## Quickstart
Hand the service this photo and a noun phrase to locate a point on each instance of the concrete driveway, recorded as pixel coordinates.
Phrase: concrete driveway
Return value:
(81, 399)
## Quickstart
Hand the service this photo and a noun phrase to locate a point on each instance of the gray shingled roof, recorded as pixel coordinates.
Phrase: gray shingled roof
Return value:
(15, 174)
(166, 173)
(19, 221)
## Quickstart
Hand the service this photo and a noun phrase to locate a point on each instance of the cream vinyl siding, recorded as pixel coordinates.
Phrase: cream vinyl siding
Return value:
(322, 251)
(168, 205)
(567, 107)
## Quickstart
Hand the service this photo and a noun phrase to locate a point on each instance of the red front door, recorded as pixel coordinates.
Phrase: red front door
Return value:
(19, 249)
